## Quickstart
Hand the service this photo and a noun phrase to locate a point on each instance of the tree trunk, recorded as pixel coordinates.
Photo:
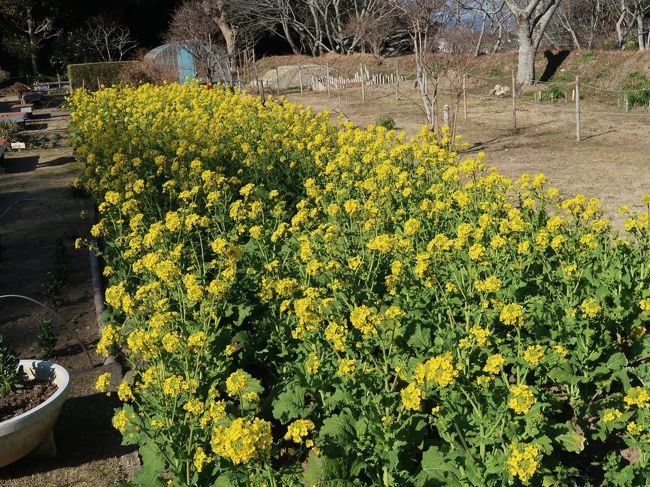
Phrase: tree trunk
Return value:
(639, 30)
(477, 51)
(526, 65)
(32, 40)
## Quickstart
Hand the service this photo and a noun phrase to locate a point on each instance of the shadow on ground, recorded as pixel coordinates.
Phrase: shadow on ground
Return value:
(19, 164)
(82, 422)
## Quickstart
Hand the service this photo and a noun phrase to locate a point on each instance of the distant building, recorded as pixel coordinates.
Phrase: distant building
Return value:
(192, 61)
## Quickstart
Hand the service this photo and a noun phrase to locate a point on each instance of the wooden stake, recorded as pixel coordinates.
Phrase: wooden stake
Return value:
(363, 85)
(465, 96)
(577, 91)
(327, 80)
(514, 101)
(445, 115)
(397, 84)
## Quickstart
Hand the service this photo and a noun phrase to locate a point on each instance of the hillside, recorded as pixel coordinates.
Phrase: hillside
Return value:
(603, 69)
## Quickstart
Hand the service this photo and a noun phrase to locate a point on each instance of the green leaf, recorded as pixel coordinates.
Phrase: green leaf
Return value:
(321, 470)
(435, 469)
(571, 441)
(420, 339)
(617, 362)
(340, 428)
(152, 466)
(289, 404)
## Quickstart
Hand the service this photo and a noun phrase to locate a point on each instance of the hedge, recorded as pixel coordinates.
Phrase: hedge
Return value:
(88, 74)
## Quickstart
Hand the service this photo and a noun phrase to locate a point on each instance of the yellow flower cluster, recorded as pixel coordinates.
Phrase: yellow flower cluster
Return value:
(523, 462)
(637, 396)
(439, 370)
(298, 430)
(243, 440)
(521, 399)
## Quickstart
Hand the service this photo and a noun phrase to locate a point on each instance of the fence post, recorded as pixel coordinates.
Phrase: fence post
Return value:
(514, 101)
(300, 76)
(363, 85)
(578, 108)
(445, 115)
(627, 103)
(327, 80)
(397, 84)
(58, 80)
(465, 96)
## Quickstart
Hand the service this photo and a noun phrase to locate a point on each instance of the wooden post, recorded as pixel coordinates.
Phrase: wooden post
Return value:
(260, 86)
(83, 83)
(514, 101)
(573, 95)
(397, 84)
(58, 80)
(363, 84)
(445, 115)
(99, 85)
(577, 90)
(627, 103)
(327, 80)
(465, 96)
(300, 76)
(277, 82)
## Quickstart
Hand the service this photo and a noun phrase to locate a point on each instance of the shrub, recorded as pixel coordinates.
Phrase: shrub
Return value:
(636, 88)
(385, 121)
(142, 72)
(8, 130)
(552, 93)
(306, 305)
(90, 74)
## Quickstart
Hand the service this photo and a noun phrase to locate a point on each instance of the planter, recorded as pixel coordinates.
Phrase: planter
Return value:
(22, 434)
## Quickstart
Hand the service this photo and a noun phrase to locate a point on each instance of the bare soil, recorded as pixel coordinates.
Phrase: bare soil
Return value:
(31, 395)
(38, 260)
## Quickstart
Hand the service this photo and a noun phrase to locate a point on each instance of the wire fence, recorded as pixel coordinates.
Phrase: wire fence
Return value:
(463, 92)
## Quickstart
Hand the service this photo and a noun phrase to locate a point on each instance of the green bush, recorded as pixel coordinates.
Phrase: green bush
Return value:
(386, 121)
(552, 93)
(637, 90)
(90, 74)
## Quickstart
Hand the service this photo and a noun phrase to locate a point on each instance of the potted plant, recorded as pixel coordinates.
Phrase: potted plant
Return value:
(29, 404)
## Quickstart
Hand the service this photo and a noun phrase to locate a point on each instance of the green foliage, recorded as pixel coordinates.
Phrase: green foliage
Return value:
(636, 89)
(56, 279)
(46, 339)
(11, 375)
(8, 130)
(386, 121)
(496, 72)
(89, 74)
(585, 57)
(552, 93)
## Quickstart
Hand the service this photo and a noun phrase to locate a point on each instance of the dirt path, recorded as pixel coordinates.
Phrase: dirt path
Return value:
(612, 162)
(38, 259)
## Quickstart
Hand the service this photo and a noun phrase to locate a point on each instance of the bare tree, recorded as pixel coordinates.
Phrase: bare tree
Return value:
(425, 19)
(532, 18)
(199, 35)
(28, 19)
(494, 19)
(109, 40)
